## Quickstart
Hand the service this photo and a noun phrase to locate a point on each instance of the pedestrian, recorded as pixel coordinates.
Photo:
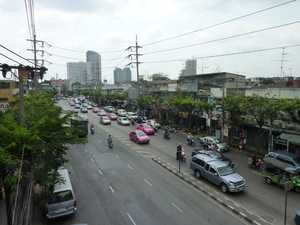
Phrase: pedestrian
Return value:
(241, 146)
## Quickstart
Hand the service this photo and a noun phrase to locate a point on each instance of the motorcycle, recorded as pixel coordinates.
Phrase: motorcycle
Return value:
(155, 128)
(172, 130)
(92, 130)
(167, 135)
(257, 164)
(191, 142)
(110, 144)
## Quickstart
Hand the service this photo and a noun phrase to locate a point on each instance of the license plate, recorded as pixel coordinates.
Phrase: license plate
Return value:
(62, 209)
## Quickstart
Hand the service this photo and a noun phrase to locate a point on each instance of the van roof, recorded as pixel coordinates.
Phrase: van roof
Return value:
(66, 185)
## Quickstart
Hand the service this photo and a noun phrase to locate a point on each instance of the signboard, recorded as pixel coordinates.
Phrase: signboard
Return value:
(3, 105)
(279, 141)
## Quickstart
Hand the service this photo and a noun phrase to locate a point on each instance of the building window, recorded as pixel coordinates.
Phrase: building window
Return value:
(4, 85)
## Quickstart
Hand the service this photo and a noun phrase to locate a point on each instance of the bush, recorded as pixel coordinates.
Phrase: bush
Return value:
(192, 131)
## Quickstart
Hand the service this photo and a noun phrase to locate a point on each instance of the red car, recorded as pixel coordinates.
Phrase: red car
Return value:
(112, 116)
(148, 129)
(139, 136)
(95, 109)
(72, 104)
(101, 112)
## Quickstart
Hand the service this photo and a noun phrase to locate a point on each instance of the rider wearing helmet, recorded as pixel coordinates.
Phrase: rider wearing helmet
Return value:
(109, 140)
(189, 136)
(92, 127)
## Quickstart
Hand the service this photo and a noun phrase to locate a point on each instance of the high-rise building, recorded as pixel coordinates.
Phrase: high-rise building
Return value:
(94, 58)
(190, 68)
(78, 72)
(122, 75)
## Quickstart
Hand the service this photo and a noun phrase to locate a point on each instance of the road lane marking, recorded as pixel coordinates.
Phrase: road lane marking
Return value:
(163, 146)
(100, 172)
(256, 173)
(129, 166)
(117, 156)
(131, 219)
(85, 150)
(112, 190)
(177, 207)
(100, 141)
(92, 159)
(147, 182)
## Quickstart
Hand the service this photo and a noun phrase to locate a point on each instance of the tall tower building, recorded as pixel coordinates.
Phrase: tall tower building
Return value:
(94, 58)
(122, 75)
(77, 72)
(190, 68)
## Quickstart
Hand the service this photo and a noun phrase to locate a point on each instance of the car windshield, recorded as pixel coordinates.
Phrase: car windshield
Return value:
(105, 118)
(226, 170)
(61, 196)
(215, 155)
(112, 114)
(147, 126)
(124, 118)
(140, 134)
(217, 140)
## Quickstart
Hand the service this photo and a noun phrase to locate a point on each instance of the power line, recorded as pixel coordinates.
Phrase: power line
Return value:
(229, 54)
(221, 39)
(218, 24)
(15, 54)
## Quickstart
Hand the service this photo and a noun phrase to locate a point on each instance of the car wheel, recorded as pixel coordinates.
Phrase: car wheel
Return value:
(268, 180)
(297, 189)
(224, 188)
(198, 174)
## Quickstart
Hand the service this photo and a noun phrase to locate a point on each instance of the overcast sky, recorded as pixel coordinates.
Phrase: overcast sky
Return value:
(255, 38)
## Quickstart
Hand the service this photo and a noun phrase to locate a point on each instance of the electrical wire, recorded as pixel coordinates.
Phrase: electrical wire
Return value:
(221, 39)
(218, 24)
(229, 54)
(16, 55)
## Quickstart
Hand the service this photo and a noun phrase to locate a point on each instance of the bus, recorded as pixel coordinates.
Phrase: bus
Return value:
(81, 125)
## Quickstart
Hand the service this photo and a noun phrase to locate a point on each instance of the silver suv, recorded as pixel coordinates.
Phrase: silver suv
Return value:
(218, 173)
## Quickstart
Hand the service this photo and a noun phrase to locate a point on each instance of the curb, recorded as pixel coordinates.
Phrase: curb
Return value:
(184, 177)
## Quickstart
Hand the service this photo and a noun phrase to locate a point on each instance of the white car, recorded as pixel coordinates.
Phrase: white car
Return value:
(121, 112)
(153, 123)
(131, 115)
(84, 117)
(105, 120)
(123, 121)
(89, 107)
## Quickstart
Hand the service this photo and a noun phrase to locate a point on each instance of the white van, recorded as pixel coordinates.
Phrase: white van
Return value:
(62, 202)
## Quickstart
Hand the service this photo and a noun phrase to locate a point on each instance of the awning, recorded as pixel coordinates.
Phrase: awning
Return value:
(292, 138)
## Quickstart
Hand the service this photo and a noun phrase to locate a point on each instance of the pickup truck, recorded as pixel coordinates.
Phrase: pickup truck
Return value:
(217, 172)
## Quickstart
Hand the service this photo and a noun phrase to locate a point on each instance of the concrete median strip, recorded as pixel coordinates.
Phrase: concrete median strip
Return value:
(186, 178)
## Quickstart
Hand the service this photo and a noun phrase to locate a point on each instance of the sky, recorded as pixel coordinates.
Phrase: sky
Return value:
(254, 38)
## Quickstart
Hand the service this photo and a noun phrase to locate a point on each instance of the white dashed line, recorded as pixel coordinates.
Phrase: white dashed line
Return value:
(147, 182)
(131, 219)
(92, 159)
(177, 207)
(117, 156)
(100, 172)
(85, 150)
(112, 190)
(129, 166)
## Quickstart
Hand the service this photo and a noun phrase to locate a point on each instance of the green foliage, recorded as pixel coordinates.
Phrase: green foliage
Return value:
(159, 76)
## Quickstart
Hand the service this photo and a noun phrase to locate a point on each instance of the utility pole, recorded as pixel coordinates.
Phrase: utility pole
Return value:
(35, 60)
(136, 56)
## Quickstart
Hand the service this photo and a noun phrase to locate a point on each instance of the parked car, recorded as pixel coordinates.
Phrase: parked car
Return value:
(112, 116)
(147, 128)
(217, 172)
(121, 112)
(123, 121)
(105, 120)
(76, 106)
(152, 122)
(131, 115)
(287, 157)
(222, 146)
(215, 155)
(95, 109)
(101, 112)
(139, 137)
(84, 110)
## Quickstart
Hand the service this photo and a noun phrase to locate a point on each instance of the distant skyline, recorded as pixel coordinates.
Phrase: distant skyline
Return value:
(252, 38)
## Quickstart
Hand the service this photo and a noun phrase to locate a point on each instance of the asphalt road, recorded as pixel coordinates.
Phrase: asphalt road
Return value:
(127, 188)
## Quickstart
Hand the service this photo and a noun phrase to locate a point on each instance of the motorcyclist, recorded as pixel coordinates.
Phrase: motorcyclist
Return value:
(109, 140)
(189, 137)
(254, 160)
(92, 127)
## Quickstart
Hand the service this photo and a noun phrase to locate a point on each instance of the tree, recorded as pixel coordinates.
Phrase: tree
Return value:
(232, 106)
(187, 103)
(159, 76)
(208, 108)
(63, 89)
(41, 143)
